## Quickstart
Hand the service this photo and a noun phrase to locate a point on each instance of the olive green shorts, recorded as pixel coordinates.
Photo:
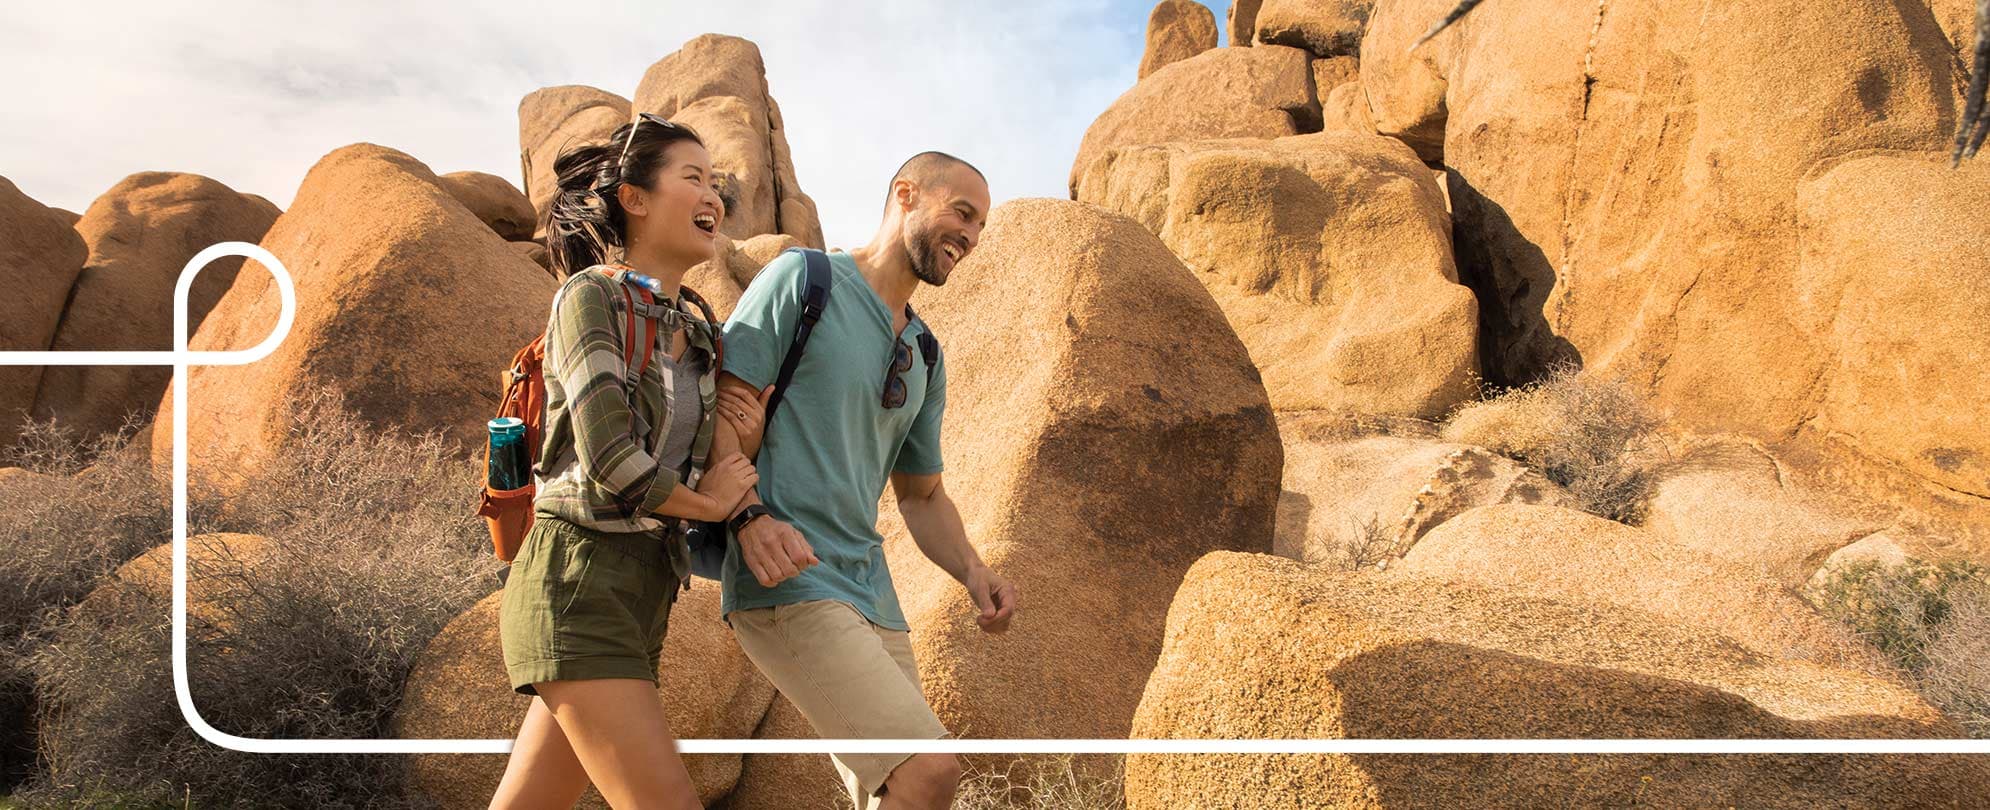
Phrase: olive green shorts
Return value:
(582, 604)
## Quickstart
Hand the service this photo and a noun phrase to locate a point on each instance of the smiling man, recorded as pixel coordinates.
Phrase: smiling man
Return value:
(806, 588)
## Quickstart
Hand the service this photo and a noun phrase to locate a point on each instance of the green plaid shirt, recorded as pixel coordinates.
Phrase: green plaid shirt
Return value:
(597, 463)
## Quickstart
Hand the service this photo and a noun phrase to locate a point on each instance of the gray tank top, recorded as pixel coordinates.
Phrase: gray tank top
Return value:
(686, 408)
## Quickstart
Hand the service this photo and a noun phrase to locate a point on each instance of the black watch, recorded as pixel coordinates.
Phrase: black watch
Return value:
(738, 522)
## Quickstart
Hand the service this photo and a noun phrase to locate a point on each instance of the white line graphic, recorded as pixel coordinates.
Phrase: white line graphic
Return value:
(180, 358)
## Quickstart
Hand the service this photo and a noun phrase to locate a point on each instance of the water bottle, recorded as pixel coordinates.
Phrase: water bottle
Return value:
(510, 464)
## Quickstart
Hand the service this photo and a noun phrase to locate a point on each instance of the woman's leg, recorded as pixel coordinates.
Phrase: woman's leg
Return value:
(617, 730)
(543, 771)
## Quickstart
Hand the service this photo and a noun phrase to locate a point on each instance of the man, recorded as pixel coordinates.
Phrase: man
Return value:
(806, 589)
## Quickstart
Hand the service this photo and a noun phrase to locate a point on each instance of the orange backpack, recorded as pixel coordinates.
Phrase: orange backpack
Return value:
(508, 512)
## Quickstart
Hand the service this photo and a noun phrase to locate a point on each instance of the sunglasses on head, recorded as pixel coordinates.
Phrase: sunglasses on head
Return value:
(621, 163)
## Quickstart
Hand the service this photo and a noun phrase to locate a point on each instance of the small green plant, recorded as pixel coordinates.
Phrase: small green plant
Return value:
(1931, 620)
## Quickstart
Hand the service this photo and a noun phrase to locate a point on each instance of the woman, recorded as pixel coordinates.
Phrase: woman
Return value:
(588, 600)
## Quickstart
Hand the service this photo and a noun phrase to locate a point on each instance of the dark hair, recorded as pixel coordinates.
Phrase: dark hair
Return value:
(925, 168)
(585, 224)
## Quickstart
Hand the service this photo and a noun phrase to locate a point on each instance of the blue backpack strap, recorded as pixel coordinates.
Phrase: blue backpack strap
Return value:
(813, 303)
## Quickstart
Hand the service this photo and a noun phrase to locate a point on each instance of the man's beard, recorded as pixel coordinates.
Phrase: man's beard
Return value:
(926, 259)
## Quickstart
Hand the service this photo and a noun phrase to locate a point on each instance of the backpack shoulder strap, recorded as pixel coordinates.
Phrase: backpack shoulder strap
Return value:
(929, 345)
(814, 301)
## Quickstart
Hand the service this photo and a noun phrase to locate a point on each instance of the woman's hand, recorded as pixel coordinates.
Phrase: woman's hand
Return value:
(746, 413)
(727, 481)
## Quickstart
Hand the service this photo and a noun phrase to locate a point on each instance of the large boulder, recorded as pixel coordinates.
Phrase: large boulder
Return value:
(141, 233)
(1240, 22)
(1899, 305)
(1734, 501)
(1110, 389)
(407, 306)
(1176, 30)
(1558, 553)
(1358, 492)
(458, 690)
(40, 259)
(1771, 286)
(553, 120)
(1221, 93)
(1261, 647)
(495, 201)
(1330, 28)
(1330, 254)
(717, 85)
(722, 280)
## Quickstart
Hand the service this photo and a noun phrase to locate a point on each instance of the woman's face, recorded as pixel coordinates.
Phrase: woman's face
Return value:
(677, 218)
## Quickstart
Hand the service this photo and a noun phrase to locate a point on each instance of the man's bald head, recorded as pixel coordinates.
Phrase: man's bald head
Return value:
(929, 169)
(935, 209)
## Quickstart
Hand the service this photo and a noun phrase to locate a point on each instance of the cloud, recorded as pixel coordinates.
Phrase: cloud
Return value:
(253, 93)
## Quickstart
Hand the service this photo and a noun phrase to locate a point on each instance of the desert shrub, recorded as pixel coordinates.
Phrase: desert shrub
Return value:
(370, 549)
(79, 510)
(1931, 620)
(1364, 544)
(1053, 783)
(1595, 436)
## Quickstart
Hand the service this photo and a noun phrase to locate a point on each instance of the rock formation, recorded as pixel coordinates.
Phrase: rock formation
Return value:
(1261, 647)
(1096, 449)
(717, 85)
(1177, 30)
(1329, 253)
(40, 258)
(495, 201)
(407, 306)
(1222, 93)
(141, 233)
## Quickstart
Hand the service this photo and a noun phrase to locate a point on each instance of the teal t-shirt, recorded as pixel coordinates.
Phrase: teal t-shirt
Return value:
(829, 451)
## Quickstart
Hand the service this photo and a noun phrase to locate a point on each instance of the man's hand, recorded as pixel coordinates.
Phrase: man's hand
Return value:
(774, 551)
(994, 595)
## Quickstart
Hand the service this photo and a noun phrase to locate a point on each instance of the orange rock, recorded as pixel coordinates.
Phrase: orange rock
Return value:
(1177, 30)
(495, 201)
(1221, 93)
(1101, 434)
(1329, 253)
(1262, 647)
(141, 233)
(40, 259)
(407, 307)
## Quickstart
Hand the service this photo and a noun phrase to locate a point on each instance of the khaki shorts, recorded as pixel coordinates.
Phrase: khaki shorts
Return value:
(582, 604)
(852, 679)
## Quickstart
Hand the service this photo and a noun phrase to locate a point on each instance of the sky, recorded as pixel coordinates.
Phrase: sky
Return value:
(253, 93)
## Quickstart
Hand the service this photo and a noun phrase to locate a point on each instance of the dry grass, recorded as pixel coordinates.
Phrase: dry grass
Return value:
(1057, 783)
(85, 507)
(371, 549)
(1931, 620)
(1594, 436)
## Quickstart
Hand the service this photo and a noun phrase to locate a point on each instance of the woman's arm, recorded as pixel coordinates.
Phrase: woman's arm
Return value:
(585, 354)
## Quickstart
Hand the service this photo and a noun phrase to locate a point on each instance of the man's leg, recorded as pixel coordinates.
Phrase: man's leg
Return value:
(925, 780)
(836, 668)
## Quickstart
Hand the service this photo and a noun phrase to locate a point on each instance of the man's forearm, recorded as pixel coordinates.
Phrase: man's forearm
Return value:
(936, 527)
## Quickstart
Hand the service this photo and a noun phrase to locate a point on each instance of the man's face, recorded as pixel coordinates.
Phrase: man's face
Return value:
(945, 223)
